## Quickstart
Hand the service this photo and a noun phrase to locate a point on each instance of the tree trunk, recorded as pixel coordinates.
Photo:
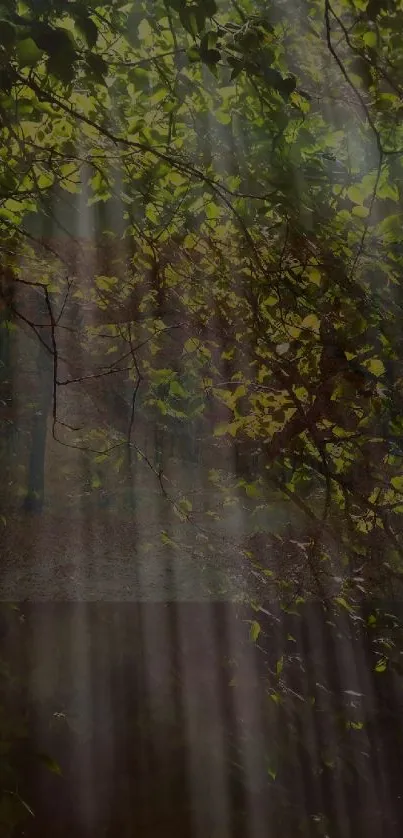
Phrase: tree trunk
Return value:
(34, 499)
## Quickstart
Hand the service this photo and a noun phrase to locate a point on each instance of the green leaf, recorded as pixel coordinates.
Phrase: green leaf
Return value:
(100, 458)
(314, 275)
(360, 212)
(177, 178)
(388, 190)
(193, 54)
(381, 665)
(254, 631)
(223, 117)
(272, 772)
(165, 539)
(280, 665)
(28, 53)
(356, 195)
(176, 389)
(50, 764)
(45, 180)
(397, 483)
(343, 603)
(105, 283)
(375, 366)
(251, 490)
(144, 30)
(370, 39)
(163, 375)
(186, 505)
(311, 322)
(221, 429)
(213, 211)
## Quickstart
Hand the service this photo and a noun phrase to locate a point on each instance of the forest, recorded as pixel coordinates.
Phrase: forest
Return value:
(201, 418)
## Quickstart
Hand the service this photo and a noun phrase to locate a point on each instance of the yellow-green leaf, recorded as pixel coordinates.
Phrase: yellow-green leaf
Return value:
(254, 631)
(370, 39)
(177, 179)
(360, 212)
(144, 30)
(314, 275)
(343, 603)
(375, 366)
(221, 430)
(28, 53)
(355, 194)
(280, 665)
(176, 389)
(311, 322)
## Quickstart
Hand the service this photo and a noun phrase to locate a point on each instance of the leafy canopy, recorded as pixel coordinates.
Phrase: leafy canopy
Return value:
(244, 162)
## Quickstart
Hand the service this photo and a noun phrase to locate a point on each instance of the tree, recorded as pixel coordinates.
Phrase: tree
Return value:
(239, 170)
